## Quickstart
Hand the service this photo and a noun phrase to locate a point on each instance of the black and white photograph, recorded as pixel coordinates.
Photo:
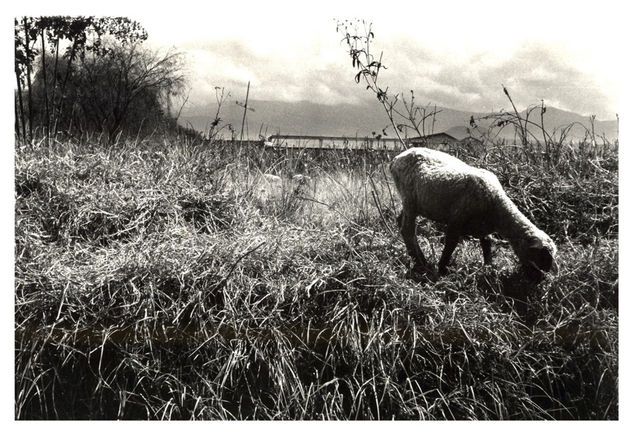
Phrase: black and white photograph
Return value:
(324, 211)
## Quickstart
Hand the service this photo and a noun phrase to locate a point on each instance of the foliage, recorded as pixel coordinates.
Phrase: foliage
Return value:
(84, 34)
(93, 73)
(404, 115)
(124, 86)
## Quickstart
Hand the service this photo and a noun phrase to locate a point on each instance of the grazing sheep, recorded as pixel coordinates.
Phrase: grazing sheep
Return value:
(469, 201)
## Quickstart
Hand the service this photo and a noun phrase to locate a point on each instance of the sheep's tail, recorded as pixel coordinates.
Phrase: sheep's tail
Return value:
(398, 173)
(395, 176)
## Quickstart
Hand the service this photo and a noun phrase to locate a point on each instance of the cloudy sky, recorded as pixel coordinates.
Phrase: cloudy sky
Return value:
(451, 53)
(454, 54)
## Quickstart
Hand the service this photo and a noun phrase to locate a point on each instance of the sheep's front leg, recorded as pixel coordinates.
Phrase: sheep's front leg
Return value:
(486, 248)
(406, 221)
(450, 244)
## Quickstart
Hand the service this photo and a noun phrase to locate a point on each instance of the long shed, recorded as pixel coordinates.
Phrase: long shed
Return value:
(333, 142)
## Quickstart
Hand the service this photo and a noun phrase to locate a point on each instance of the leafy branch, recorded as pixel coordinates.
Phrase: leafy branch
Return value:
(403, 114)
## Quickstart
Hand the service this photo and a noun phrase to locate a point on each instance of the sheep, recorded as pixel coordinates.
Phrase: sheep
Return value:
(469, 201)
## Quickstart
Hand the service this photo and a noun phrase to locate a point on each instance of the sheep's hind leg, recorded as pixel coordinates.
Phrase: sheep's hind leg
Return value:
(407, 229)
(486, 248)
(450, 243)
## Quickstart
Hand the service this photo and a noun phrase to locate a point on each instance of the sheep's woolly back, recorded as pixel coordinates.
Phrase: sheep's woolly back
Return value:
(442, 188)
(469, 200)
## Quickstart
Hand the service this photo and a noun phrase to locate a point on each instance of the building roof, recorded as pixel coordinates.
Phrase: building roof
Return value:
(321, 137)
(432, 136)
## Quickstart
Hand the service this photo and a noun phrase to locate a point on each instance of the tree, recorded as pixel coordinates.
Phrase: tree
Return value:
(124, 86)
(25, 34)
(75, 36)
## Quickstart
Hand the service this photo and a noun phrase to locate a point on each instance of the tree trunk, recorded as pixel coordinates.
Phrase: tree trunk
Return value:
(21, 105)
(28, 77)
(47, 115)
(63, 88)
(17, 116)
(54, 90)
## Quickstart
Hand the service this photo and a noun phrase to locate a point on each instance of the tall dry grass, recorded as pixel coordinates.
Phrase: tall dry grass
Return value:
(153, 280)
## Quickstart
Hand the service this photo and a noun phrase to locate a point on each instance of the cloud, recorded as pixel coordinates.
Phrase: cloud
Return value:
(531, 71)
(468, 79)
(537, 72)
(290, 75)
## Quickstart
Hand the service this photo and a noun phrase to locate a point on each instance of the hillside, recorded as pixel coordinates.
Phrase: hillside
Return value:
(306, 118)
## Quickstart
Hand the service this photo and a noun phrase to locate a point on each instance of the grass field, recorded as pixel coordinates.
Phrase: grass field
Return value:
(161, 281)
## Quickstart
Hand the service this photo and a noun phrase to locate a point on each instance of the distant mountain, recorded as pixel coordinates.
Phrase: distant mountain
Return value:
(459, 132)
(306, 118)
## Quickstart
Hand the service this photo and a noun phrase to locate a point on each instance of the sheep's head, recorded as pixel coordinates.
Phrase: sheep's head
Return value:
(537, 255)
